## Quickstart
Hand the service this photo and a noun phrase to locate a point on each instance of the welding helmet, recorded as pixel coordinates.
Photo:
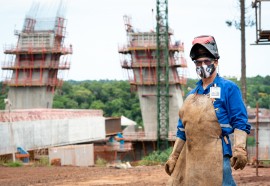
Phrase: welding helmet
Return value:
(204, 46)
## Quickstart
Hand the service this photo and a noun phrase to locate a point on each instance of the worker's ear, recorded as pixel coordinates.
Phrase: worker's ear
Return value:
(216, 63)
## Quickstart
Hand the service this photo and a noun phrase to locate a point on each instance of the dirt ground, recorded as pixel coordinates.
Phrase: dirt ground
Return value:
(139, 176)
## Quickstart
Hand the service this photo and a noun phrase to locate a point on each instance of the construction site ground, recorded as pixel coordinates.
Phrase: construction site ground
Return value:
(137, 176)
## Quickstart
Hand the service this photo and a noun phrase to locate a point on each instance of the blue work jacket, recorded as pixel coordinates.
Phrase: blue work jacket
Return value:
(230, 110)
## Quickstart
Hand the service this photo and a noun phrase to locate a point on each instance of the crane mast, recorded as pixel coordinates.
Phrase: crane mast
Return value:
(162, 54)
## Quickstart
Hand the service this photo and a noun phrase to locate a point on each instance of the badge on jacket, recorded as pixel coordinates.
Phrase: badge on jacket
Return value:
(215, 92)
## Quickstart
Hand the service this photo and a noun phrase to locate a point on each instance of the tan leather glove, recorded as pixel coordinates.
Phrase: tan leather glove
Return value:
(177, 148)
(239, 159)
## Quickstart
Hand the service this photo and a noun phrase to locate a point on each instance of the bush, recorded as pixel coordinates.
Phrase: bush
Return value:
(43, 161)
(101, 162)
(156, 157)
(3, 160)
(14, 164)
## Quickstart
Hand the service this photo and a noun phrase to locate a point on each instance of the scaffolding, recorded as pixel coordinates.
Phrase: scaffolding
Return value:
(138, 58)
(37, 58)
(35, 67)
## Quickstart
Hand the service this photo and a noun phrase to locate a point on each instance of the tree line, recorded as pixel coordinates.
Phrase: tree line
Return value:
(115, 97)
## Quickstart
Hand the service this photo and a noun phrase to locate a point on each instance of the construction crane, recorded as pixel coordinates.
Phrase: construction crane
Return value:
(162, 54)
(262, 35)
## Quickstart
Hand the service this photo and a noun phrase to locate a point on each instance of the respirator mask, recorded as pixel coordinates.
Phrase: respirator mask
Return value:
(205, 68)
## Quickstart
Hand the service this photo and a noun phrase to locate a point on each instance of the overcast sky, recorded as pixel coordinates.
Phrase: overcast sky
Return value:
(96, 28)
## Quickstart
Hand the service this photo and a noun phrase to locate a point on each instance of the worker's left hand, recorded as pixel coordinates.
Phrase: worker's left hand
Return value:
(169, 165)
(239, 159)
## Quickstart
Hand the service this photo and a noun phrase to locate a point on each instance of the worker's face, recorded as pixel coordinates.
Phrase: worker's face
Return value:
(205, 67)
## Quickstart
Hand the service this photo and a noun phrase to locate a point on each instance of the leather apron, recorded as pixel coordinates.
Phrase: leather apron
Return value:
(200, 162)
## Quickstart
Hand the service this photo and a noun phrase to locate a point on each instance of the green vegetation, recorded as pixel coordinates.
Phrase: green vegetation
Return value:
(100, 162)
(3, 95)
(265, 162)
(251, 142)
(113, 97)
(14, 164)
(4, 161)
(42, 162)
(116, 99)
(258, 90)
(156, 157)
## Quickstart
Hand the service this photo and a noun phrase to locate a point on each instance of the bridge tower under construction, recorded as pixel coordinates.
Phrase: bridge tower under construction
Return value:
(34, 67)
(138, 59)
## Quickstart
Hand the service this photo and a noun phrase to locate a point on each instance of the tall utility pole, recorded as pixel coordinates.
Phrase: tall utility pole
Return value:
(162, 54)
(242, 27)
(243, 51)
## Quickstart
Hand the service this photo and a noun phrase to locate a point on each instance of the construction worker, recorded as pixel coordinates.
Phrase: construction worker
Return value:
(212, 110)
(117, 138)
(121, 140)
